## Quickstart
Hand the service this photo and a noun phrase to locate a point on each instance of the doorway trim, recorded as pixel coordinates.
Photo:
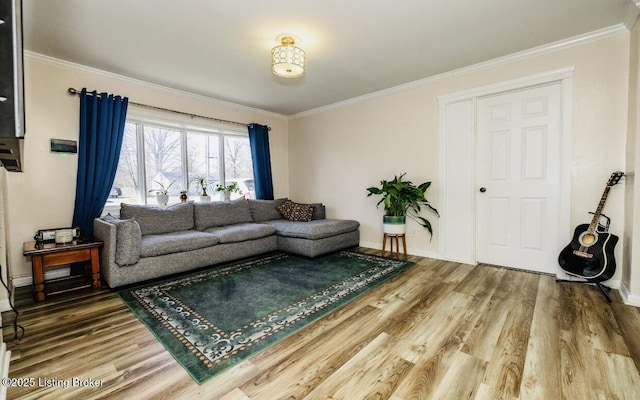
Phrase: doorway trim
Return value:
(458, 156)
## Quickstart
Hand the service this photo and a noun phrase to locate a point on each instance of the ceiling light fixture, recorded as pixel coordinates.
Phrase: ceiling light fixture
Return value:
(287, 60)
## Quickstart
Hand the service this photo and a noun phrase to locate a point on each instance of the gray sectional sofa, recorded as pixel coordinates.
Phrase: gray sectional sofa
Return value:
(147, 242)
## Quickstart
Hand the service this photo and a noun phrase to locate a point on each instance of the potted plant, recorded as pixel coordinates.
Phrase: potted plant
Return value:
(228, 189)
(401, 199)
(203, 181)
(162, 194)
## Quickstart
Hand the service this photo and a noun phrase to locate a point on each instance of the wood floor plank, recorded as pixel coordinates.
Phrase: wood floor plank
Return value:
(541, 374)
(235, 394)
(430, 327)
(374, 372)
(438, 330)
(620, 376)
(628, 319)
(579, 378)
(482, 339)
(317, 361)
(505, 369)
(459, 273)
(463, 378)
(605, 331)
(428, 372)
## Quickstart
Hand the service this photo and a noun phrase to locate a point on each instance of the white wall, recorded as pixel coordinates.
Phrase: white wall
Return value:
(631, 276)
(336, 153)
(43, 195)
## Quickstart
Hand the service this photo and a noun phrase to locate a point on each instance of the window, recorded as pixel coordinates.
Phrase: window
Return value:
(163, 155)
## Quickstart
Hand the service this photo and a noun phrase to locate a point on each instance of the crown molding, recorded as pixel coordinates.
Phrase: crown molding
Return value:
(44, 59)
(547, 48)
(535, 51)
(632, 14)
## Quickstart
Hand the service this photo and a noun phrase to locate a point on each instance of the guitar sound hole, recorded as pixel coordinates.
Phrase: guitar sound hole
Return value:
(587, 239)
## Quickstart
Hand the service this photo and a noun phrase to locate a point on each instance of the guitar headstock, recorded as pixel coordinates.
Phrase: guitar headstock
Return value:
(615, 178)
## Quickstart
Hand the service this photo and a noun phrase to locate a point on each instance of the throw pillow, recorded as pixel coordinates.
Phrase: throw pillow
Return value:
(295, 211)
(265, 210)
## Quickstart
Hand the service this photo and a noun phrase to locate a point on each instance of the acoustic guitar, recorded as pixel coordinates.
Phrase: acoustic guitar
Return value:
(590, 253)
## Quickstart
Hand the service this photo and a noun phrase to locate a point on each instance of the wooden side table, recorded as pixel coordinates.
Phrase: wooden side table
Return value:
(396, 238)
(45, 255)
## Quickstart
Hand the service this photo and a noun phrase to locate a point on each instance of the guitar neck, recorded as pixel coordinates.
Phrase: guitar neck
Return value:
(596, 216)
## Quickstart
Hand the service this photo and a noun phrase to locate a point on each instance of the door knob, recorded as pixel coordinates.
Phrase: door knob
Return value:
(483, 189)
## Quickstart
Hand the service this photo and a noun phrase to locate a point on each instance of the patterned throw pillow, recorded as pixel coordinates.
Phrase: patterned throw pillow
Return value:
(296, 212)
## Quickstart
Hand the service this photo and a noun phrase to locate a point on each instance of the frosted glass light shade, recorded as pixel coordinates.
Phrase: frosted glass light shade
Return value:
(287, 60)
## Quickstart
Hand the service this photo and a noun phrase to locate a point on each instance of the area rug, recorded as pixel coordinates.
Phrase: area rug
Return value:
(213, 319)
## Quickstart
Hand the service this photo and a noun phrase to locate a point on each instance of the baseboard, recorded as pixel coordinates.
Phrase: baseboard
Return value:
(411, 251)
(24, 280)
(27, 280)
(627, 297)
(613, 283)
(4, 306)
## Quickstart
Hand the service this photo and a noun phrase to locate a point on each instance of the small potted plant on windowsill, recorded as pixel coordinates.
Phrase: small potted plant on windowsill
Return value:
(203, 181)
(402, 199)
(228, 189)
(162, 194)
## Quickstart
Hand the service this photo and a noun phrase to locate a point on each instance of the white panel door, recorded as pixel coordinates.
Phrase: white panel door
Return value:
(519, 139)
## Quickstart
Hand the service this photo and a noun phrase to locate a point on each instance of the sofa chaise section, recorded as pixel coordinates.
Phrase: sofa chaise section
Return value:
(315, 237)
(308, 238)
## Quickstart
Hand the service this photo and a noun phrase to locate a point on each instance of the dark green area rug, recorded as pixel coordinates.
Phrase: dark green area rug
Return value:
(213, 319)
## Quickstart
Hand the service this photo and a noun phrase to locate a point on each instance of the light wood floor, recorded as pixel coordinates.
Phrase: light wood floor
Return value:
(440, 330)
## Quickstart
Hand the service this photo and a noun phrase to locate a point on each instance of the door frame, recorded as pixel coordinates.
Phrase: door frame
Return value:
(458, 157)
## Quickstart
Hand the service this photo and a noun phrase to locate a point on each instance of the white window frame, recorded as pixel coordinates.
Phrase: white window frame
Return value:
(163, 122)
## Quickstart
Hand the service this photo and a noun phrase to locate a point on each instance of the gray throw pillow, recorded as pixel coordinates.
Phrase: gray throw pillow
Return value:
(265, 210)
(318, 211)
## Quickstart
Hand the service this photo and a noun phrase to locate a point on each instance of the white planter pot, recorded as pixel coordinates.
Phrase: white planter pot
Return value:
(205, 198)
(394, 225)
(163, 200)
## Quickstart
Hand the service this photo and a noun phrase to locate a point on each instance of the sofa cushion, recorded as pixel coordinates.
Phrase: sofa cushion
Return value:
(155, 220)
(316, 229)
(265, 210)
(128, 240)
(295, 211)
(241, 232)
(221, 213)
(176, 242)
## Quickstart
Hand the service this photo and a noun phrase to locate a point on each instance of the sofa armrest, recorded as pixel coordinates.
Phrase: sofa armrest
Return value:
(107, 233)
(122, 241)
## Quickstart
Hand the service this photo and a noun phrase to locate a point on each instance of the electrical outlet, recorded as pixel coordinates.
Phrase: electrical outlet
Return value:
(413, 232)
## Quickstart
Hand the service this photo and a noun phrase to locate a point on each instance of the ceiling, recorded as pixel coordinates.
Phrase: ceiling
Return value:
(221, 49)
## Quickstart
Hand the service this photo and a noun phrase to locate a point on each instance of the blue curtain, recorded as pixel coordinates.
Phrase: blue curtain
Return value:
(102, 121)
(259, 140)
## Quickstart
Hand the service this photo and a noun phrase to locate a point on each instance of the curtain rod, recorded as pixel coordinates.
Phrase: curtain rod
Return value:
(74, 92)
